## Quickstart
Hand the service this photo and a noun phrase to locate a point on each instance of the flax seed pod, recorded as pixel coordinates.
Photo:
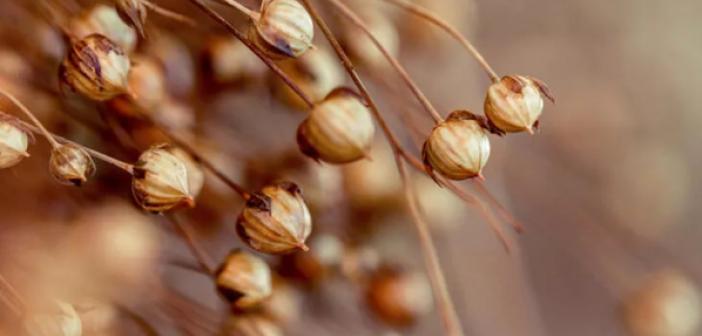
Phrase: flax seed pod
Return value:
(399, 298)
(284, 29)
(14, 142)
(71, 165)
(244, 280)
(160, 181)
(133, 13)
(96, 68)
(275, 220)
(61, 320)
(515, 103)
(338, 130)
(196, 175)
(105, 20)
(458, 148)
(317, 73)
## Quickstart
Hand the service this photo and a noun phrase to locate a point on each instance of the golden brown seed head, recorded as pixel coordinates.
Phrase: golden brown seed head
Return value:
(251, 325)
(284, 29)
(96, 67)
(399, 298)
(339, 129)
(196, 176)
(458, 148)
(160, 181)
(133, 13)
(105, 20)
(515, 103)
(71, 165)
(13, 144)
(244, 279)
(276, 220)
(317, 73)
(61, 320)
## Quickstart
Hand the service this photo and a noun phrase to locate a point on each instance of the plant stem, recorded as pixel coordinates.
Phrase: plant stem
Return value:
(203, 259)
(14, 300)
(253, 15)
(30, 115)
(348, 13)
(168, 13)
(435, 19)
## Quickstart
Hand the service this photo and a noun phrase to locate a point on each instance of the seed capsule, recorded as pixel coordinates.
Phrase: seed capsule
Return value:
(71, 165)
(96, 67)
(244, 280)
(133, 13)
(160, 181)
(340, 129)
(62, 320)
(13, 144)
(457, 148)
(284, 29)
(105, 20)
(317, 73)
(196, 176)
(276, 220)
(515, 103)
(399, 298)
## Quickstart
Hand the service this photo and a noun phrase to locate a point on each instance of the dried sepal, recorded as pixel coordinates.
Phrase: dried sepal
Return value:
(61, 320)
(71, 165)
(284, 29)
(244, 280)
(458, 148)
(515, 103)
(398, 297)
(14, 141)
(96, 67)
(107, 21)
(133, 13)
(275, 220)
(339, 129)
(160, 181)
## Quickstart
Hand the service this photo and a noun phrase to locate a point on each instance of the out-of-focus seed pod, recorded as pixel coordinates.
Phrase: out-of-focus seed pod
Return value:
(317, 73)
(96, 67)
(104, 20)
(251, 325)
(244, 280)
(196, 175)
(284, 29)
(133, 13)
(515, 103)
(458, 148)
(62, 320)
(668, 304)
(399, 298)
(461, 14)
(71, 165)
(362, 48)
(276, 220)
(14, 142)
(147, 83)
(374, 183)
(176, 61)
(228, 60)
(160, 181)
(338, 130)
(360, 262)
(442, 209)
(285, 303)
(324, 257)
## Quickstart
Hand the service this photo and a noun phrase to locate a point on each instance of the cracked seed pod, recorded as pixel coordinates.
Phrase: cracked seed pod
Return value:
(96, 67)
(284, 29)
(515, 103)
(13, 144)
(106, 21)
(458, 148)
(317, 73)
(399, 298)
(251, 325)
(133, 13)
(668, 304)
(339, 129)
(71, 165)
(244, 280)
(62, 320)
(160, 181)
(276, 220)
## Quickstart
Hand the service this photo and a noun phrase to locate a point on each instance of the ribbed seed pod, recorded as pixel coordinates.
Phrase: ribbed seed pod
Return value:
(133, 13)
(13, 143)
(160, 181)
(284, 29)
(196, 176)
(96, 67)
(275, 220)
(339, 129)
(71, 165)
(244, 279)
(317, 73)
(62, 320)
(251, 325)
(105, 20)
(458, 148)
(399, 298)
(515, 103)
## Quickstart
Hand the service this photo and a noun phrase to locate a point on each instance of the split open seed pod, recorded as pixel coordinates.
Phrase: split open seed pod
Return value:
(515, 103)
(160, 181)
(283, 29)
(244, 280)
(14, 142)
(71, 165)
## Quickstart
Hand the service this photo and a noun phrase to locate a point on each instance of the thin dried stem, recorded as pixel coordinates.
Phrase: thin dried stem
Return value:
(441, 23)
(203, 259)
(253, 15)
(30, 115)
(168, 13)
(506, 215)
(11, 297)
(358, 22)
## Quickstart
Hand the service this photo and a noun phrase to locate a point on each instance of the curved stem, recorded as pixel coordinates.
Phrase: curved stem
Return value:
(203, 259)
(347, 12)
(31, 117)
(435, 19)
(168, 13)
(253, 15)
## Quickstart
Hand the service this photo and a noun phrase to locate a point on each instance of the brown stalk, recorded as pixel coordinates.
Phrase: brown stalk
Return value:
(203, 259)
(253, 15)
(30, 115)
(168, 13)
(12, 299)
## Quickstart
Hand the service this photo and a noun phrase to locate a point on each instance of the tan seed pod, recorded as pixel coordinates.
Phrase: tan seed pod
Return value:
(317, 73)
(13, 144)
(284, 29)
(133, 13)
(71, 165)
(251, 325)
(96, 67)
(338, 130)
(458, 148)
(61, 320)
(244, 280)
(515, 103)
(399, 298)
(276, 220)
(196, 175)
(105, 20)
(160, 181)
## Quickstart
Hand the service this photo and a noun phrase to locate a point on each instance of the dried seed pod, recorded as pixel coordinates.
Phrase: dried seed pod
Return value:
(196, 175)
(515, 103)
(133, 13)
(276, 220)
(285, 303)
(96, 67)
(244, 280)
(13, 144)
(104, 20)
(71, 165)
(373, 184)
(284, 29)
(458, 148)
(339, 129)
(160, 181)
(317, 73)
(251, 325)
(668, 304)
(62, 320)
(399, 298)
